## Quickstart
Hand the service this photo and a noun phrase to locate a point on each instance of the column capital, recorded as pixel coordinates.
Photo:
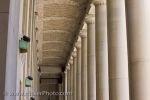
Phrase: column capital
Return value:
(68, 66)
(65, 72)
(71, 61)
(83, 33)
(90, 18)
(74, 53)
(78, 44)
(99, 2)
(75, 49)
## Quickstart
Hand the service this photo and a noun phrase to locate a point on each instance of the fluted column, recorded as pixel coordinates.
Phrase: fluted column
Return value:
(78, 84)
(63, 87)
(66, 84)
(12, 48)
(117, 50)
(71, 77)
(68, 80)
(102, 86)
(138, 25)
(74, 74)
(91, 65)
(60, 90)
(83, 35)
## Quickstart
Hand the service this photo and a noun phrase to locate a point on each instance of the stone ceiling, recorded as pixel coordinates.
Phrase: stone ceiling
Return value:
(58, 23)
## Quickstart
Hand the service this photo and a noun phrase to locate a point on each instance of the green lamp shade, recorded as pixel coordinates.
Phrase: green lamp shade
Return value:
(28, 82)
(23, 45)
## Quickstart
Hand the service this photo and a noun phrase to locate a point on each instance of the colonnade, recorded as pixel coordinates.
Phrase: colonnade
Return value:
(20, 66)
(112, 59)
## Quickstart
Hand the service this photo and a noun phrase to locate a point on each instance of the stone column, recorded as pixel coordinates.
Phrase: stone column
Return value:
(63, 78)
(71, 77)
(12, 49)
(66, 83)
(68, 80)
(83, 35)
(102, 84)
(91, 65)
(62, 96)
(78, 84)
(74, 74)
(138, 25)
(60, 90)
(117, 50)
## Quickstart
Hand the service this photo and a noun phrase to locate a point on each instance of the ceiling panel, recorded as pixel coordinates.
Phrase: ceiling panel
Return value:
(58, 22)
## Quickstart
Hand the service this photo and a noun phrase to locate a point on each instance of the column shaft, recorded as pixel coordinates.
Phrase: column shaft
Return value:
(102, 84)
(91, 65)
(74, 75)
(84, 65)
(117, 50)
(78, 84)
(138, 25)
(12, 49)
(60, 90)
(63, 77)
(66, 84)
(71, 80)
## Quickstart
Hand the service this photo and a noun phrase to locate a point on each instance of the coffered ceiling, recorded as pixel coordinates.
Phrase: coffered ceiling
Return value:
(58, 23)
